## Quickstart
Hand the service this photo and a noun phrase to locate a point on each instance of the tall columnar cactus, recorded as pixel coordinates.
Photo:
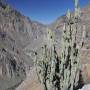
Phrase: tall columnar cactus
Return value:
(46, 64)
(61, 73)
(69, 66)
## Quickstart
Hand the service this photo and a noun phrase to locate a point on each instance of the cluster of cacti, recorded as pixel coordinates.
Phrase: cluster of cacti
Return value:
(69, 66)
(61, 73)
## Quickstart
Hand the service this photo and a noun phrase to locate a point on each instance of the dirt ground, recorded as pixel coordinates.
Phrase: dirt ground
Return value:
(31, 82)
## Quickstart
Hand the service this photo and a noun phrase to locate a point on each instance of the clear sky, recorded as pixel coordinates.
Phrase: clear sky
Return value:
(44, 11)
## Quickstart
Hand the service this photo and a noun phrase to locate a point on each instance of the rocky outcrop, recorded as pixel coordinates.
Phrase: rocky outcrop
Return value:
(12, 70)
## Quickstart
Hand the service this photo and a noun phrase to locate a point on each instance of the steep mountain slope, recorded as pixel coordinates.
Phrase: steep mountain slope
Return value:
(12, 68)
(17, 32)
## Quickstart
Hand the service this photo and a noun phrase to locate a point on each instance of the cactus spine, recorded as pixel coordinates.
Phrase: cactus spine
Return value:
(61, 73)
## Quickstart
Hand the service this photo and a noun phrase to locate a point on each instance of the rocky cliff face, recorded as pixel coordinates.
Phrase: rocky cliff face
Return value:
(12, 68)
(17, 34)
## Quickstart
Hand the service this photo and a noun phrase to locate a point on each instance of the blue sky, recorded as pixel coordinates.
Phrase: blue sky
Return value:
(44, 11)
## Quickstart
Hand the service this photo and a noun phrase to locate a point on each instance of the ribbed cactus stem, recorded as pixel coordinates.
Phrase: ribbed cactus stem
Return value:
(69, 66)
(46, 64)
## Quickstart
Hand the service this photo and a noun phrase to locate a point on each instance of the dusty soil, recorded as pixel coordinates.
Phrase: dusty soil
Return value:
(31, 82)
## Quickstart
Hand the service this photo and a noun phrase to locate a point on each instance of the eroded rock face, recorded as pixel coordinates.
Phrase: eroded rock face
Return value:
(12, 66)
(12, 70)
(19, 36)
